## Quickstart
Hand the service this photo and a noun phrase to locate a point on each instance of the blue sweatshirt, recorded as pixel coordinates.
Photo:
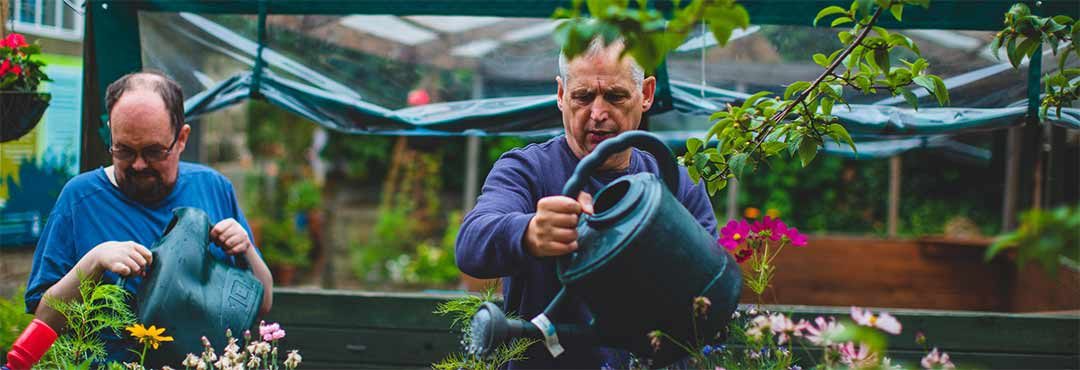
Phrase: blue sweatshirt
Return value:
(489, 244)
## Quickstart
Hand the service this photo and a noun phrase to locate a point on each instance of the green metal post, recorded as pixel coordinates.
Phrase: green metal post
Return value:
(111, 49)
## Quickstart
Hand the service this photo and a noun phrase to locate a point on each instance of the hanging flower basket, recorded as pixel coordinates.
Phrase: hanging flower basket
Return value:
(20, 112)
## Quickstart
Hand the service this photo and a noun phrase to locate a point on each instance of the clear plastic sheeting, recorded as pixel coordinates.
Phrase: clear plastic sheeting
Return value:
(454, 75)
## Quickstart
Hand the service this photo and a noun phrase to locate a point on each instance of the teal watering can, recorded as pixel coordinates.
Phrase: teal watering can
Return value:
(193, 294)
(642, 258)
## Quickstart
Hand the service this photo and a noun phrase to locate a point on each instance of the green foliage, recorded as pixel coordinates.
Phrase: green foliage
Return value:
(749, 134)
(432, 263)
(460, 312)
(1026, 33)
(13, 319)
(283, 243)
(99, 309)
(1048, 237)
(648, 36)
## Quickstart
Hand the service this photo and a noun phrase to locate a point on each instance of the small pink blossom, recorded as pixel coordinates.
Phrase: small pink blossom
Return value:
(937, 360)
(884, 321)
(857, 357)
(14, 41)
(797, 239)
(785, 329)
(819, 332)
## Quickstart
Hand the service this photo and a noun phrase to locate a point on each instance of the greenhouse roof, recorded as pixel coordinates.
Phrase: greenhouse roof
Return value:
(489, 66)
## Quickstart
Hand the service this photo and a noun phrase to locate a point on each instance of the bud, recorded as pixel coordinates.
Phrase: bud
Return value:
(701, 307)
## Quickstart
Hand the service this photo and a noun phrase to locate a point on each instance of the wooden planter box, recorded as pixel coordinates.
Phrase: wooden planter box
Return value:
(357, 330)
(923, 273)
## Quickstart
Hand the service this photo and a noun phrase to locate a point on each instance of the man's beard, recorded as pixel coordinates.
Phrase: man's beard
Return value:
(146, 186)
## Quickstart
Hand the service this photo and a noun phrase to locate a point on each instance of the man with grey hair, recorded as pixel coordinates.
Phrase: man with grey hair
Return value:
(521, 220)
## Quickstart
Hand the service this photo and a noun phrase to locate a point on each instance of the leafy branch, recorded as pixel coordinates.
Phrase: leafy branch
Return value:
(1023, 35)
(761, 127)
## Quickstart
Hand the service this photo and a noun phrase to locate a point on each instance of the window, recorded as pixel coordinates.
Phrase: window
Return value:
(48, 18)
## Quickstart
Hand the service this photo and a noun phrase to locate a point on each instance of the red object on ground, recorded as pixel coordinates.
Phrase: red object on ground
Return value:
(419, 97)
(34, 341)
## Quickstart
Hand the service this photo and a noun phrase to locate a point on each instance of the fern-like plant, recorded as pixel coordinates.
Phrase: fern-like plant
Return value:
(461, 311)
(99, 309)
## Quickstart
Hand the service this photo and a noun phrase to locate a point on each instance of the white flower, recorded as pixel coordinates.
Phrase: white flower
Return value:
(253, 362)
(190, 361)
(293, 359)
(937, 360)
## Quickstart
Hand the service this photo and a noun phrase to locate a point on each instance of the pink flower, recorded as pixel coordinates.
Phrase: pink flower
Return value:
(818, 333)
(937, 360)
(857, 357)
(884, 321)
(5, 67)
(784, 328)
(766, 223)
(797, 239)
(13, 41)
(733, 234)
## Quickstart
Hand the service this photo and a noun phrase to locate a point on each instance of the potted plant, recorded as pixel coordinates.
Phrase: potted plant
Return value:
(21, 105)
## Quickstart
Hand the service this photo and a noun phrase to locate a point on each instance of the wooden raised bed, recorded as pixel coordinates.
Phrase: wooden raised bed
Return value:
(358, 330)
(915, 273)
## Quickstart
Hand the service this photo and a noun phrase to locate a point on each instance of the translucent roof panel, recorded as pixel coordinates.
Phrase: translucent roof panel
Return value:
(769, 57)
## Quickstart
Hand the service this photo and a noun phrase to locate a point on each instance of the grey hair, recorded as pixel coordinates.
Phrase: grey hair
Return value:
(596, 48)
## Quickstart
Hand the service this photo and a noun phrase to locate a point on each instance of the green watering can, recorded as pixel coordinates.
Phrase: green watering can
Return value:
(193, 294)
(642, 258)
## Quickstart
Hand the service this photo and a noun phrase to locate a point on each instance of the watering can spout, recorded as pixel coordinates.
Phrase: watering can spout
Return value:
(490, 327)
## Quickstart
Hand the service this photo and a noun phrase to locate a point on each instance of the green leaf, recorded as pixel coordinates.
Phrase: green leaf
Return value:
(692, 145)
(925, 82)
(808, 149)
(881, 58)
(841, 20)
(773, 147)
(897, 11)
(940, 91)
(995, 45)
(694, 175)
(827, 12)
(826, 106)
(754, 98)
(1027, 48)
(910, 98)
(863, 8)
(737, 163)
(1011, 51)
(845, 37)
(840, 134)
(795, 88)
(821, 60)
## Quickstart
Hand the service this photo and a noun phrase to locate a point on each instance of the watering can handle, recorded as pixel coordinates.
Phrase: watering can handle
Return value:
(639, 139)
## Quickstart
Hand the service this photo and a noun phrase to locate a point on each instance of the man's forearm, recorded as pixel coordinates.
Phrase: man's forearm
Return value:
(261, 272)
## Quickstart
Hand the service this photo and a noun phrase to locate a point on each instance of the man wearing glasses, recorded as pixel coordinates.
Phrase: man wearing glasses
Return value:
(104, 219)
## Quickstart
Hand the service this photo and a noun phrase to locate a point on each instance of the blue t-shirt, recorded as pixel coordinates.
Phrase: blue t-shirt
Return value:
(489, 244)
(91, 210)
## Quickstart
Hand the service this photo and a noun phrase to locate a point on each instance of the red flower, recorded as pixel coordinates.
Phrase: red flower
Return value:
(5, 67)
(16, 69)
(14, 41)
(743, 255)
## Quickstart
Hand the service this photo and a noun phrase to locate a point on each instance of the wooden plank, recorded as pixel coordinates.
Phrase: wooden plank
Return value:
(381, 347)
(351, 309)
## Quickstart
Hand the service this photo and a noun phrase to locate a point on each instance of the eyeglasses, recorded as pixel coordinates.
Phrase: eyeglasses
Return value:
(149, 154)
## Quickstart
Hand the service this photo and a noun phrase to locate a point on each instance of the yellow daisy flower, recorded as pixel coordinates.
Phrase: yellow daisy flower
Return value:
(151, 335)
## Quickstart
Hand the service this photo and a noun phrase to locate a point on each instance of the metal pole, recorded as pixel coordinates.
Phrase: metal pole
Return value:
(472, 157)
(472, 154)
(1013, 145)
(894, 194)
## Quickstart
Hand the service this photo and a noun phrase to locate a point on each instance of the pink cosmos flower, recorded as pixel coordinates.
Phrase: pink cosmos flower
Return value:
(884, 321)
(797, 239)
(857, 357)
(785, 329)
(818, 333)
(734, 234)
(937, 360)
